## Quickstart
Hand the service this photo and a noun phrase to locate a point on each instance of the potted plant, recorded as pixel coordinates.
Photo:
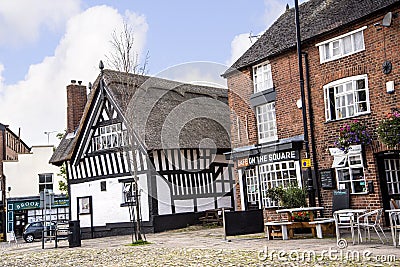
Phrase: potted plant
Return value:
(389, 129)
(354, 133)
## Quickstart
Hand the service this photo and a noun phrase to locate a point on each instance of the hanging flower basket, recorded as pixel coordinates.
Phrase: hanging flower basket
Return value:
(354, 133)
(389, 129)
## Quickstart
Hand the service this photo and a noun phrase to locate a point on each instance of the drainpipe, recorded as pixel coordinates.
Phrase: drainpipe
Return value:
(307, 170)
(312, 125)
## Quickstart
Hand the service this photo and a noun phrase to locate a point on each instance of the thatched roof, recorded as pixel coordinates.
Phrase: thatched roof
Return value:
(163, 113)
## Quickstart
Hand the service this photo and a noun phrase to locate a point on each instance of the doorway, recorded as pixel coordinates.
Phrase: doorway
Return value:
(389, 178)
(20, 220)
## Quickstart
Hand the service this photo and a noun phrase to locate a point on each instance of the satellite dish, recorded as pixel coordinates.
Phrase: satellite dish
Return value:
(387, 20)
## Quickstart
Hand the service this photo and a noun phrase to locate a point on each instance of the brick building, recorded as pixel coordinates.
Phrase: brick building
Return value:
(10, 146)
(350, 61)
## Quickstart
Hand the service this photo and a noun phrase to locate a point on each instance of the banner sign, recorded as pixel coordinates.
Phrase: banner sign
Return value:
(268, 158)
(35, 204)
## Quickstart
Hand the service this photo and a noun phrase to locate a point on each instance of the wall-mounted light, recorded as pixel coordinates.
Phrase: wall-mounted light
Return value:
(299, 104)
(390, 87)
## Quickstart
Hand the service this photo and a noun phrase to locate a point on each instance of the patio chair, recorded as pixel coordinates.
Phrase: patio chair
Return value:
(344, 221)
(370, 220)
(395, 227)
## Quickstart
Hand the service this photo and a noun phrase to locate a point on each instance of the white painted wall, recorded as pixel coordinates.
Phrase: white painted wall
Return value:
(23, 175)
(163, 196)
(106, 204)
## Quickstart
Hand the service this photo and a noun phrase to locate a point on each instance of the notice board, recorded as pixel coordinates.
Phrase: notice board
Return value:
(327, 178)
(340, 200)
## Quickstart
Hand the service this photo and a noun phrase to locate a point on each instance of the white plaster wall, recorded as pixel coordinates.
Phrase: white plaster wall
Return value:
(205, 204)
(23, 175)
(107, 204)
(163, 197)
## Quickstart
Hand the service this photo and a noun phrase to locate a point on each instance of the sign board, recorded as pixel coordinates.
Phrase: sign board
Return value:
(35, 204)
(327, 179)
(244, 222)
(306, 163)
(268, 158)
(340, 200)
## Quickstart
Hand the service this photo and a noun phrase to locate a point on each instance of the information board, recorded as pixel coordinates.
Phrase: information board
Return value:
(327, 179)
(340, 200)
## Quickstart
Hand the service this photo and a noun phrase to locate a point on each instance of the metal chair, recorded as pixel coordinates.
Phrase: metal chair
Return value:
(395, 227)
(370, 220)
(344, 221)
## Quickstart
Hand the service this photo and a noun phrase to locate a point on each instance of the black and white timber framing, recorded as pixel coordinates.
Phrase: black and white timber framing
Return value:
(173, 181)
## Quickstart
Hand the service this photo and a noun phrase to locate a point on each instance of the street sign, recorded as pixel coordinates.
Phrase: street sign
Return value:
(306, 163)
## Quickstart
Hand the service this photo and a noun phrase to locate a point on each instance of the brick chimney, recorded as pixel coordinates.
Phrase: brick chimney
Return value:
(76, 101)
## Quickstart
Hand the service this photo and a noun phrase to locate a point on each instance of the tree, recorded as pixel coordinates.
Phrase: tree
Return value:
(125, 60)
(62, 184)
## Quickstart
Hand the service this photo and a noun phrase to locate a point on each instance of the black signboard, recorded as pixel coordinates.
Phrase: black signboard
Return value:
(327, 179)
(340, 200)
(244, 222)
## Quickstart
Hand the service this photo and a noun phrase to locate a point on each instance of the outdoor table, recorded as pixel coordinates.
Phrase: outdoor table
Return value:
(353, 213)
(305, 224)
(393, 226)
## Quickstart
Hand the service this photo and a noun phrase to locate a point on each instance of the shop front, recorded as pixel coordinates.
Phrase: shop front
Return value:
(21, 211)
(263, 167)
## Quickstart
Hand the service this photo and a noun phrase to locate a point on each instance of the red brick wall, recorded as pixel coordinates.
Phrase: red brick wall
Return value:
(378, 41)
(76, 101)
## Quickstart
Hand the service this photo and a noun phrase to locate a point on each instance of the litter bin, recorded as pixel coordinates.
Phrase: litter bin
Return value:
(74, 234)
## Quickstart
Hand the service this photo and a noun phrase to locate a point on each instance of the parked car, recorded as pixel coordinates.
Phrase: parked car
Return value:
(34, 230)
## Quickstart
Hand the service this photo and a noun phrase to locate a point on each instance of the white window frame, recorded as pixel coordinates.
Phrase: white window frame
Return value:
(354, 152)
(277, 174)
(109, 136)
(392, 175)
(339, 41)
(266, 128)
(252, 186)
(262, 77)
(354, 92)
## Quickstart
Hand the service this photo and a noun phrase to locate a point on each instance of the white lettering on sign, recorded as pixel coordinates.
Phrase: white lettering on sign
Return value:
(268, 158)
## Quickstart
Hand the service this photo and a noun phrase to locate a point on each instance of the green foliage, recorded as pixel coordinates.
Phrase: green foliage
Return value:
(294, 197)
(139, 243)
(63, 184)
(290, 197)
(389, 129)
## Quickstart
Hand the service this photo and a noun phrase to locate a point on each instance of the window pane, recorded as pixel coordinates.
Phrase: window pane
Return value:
(335, 48)
(327, 51)
(358, 41)
(347, 45)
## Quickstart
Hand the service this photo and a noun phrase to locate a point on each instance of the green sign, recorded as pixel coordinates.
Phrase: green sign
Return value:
(35, 204)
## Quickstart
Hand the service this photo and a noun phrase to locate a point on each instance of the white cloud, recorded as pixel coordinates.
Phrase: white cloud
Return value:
(38, 103)
(242, 42)
(239, 45)
(21, 20)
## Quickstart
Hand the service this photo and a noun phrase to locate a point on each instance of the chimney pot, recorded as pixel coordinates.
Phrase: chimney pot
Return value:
(73, 81)
(79, 82)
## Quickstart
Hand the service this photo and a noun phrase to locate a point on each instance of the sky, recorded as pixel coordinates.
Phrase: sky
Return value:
(47, 43)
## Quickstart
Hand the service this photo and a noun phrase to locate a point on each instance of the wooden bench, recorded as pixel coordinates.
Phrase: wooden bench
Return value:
(322, 225)
(282, 225)
(211, 217)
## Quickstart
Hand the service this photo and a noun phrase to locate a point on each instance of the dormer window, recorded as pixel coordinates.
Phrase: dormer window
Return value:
(262, 77)
(342, 46)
